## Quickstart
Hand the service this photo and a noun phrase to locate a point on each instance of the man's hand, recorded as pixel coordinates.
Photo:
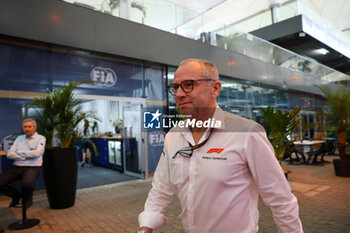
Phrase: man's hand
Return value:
(148, 230)
(20, 155)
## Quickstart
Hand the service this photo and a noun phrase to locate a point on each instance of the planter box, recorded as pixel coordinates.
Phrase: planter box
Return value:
(342, 167)
(60, 171)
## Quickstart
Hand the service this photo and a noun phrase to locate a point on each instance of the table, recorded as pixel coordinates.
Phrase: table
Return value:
(310, 144)
(2, 153)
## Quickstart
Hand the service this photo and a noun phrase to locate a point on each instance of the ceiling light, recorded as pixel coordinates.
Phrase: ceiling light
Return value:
(227, 85)
(82, 52)
(322, 51)
(231, 63)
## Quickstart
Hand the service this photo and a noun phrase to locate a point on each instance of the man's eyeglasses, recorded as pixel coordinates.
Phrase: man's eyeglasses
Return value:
(186, 85)
(188, 151)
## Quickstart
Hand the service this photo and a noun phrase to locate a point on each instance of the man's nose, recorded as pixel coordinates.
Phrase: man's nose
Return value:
(180, 92)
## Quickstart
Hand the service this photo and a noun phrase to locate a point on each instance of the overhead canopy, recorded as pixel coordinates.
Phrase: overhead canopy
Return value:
(299, 34)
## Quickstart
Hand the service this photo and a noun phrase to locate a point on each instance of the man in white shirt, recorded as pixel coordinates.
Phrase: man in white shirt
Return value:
(26, 151)
(217, 172)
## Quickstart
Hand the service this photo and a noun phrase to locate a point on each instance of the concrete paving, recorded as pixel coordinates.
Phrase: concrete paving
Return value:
(324, 201)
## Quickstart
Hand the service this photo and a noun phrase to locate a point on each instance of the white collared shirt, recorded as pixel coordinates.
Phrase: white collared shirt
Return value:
(218, 187)
(27, 151)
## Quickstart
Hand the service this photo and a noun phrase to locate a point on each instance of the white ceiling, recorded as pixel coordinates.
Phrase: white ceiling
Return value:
(337, 12)
(227, 12)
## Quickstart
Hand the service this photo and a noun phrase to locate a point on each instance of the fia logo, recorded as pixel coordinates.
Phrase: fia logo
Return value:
(156, 138)
(151, 120)
(103, 76)
(7, 143)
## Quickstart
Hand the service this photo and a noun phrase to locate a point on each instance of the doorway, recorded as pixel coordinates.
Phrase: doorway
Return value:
(307, 126)
(123, 150)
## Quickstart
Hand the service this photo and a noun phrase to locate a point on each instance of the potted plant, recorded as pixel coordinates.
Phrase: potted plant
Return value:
(279, 125)
(58, 115)
(338, 115)
(117, 124)
(114, 4)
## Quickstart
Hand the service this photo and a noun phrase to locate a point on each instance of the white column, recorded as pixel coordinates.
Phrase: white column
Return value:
(124, 9)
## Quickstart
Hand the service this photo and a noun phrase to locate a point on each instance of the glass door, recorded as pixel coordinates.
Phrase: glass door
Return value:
(115, 154)
(307, 126)
(135, 154)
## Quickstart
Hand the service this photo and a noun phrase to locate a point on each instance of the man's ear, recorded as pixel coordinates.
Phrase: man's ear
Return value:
(216, 88)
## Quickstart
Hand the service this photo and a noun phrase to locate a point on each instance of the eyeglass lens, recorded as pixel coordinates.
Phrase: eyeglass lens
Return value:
(186, 86)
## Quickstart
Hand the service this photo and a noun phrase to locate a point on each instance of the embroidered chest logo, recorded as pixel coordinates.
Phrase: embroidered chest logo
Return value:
(215, 150)
(214, 154)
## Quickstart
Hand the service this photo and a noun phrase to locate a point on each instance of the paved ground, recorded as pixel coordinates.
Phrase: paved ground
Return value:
(91, 176)
(323, 197)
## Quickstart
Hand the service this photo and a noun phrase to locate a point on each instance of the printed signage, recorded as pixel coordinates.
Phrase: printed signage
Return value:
(103, 76)
(156, 138)
(157, 120)
(151, 120)
(7, 142)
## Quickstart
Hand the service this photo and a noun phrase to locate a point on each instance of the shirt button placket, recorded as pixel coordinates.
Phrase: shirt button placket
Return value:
(190, 197)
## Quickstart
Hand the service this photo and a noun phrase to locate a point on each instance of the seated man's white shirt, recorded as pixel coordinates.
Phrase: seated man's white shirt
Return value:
(27, 151)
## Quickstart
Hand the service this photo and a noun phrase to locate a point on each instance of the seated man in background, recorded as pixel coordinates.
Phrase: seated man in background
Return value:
(27, 152)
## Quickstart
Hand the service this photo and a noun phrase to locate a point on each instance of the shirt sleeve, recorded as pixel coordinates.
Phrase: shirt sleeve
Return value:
(159, 197)
(35, 152)
(273, 187)
(12, 152)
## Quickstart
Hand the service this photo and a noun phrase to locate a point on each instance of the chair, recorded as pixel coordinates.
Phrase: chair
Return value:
(321, 151)
(330, 146)
(294, 150)
(25, 222)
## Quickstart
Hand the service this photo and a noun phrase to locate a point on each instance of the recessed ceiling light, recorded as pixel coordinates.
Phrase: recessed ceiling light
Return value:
(322, 51)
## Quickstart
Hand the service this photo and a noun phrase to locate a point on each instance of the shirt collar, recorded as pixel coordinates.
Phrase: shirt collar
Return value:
(217, 116)
(33, 136)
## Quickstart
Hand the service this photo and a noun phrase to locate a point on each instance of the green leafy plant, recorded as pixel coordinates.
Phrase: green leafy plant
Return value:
(338, 114)
(44, 116)
(114, 4)
(59, 113)
(117, 123)
(279, 125)
(139, 6)
(304, 66)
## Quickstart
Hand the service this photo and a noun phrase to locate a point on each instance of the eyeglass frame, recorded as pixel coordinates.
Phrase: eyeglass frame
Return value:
(177, 85)
(192, 148)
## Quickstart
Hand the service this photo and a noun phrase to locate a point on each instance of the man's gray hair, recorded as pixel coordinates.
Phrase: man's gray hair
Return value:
(29, 120)
(208, 68)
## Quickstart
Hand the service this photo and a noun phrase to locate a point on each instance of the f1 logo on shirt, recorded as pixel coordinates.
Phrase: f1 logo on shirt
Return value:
(215, 150)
